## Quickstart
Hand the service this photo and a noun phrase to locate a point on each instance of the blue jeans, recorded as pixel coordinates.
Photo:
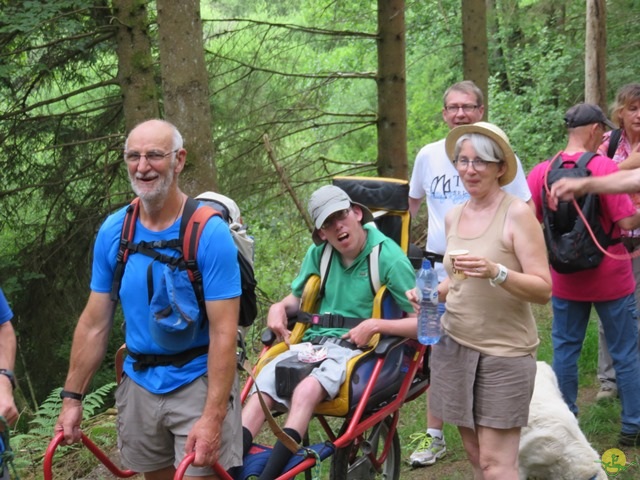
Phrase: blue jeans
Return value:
(570, 320)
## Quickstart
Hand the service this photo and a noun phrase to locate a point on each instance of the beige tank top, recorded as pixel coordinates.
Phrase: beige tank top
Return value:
(482, 317)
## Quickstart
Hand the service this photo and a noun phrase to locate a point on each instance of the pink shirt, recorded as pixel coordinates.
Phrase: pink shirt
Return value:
(621, 154)
(612, 279)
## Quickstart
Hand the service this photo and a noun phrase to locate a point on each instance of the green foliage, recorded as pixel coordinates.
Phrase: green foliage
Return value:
(29, 446)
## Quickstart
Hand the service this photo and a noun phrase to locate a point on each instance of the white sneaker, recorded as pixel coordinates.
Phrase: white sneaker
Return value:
(606, 392)
(428, 450)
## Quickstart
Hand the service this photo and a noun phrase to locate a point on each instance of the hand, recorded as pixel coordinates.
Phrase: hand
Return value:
(632, 161)
(476, 267)
(69, 421)
(414, 298)
(361, 334)
(8, 408)
(277, 322)
(204, 439)
(565, 189)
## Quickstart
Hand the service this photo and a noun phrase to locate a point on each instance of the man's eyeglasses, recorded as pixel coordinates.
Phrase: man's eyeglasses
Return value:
(335, 217)
(468, 108)
(134, 157)
(478, 164)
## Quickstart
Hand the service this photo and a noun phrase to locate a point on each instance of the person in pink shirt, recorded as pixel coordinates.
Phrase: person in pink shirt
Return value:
(608, 287)
(623, 147)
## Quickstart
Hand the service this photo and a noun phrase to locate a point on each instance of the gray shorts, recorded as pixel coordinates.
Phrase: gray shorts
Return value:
(5, 472)
(330, 374)
(153, 429)
(469, 388)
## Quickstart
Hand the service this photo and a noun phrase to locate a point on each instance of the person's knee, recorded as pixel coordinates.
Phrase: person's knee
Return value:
(307, 392)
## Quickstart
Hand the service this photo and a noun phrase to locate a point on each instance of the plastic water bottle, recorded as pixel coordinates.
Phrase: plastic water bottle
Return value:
(429, 328)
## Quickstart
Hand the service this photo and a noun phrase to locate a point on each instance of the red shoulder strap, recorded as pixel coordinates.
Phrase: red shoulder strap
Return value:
(126, 236)
(193, 229)
(129, 226)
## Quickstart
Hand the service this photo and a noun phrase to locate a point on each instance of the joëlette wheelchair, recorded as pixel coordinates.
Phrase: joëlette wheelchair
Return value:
(393, 371)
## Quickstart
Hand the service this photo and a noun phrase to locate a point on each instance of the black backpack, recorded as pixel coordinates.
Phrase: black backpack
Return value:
(191, 226)
(569, 243)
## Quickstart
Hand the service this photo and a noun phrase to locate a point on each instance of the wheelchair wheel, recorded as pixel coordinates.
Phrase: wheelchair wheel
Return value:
(357, 460)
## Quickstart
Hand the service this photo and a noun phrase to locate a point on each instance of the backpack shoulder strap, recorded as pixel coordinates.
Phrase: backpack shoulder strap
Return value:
(374, 268)
(126, 237)
(614, 141)
(325, 265)
(584, 159)
(191, 226)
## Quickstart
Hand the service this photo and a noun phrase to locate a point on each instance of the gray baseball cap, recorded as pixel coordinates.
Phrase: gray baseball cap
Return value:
(328, 200)
(586, 114)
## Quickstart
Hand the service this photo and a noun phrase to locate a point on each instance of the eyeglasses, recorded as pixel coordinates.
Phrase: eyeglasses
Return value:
(134, 157)
(478, 164)
(335, 217)
(468, 108)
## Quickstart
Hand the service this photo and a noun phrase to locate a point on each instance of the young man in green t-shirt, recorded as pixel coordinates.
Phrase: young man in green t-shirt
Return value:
(346, 226)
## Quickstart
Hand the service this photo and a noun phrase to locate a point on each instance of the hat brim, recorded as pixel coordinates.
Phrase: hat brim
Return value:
(483, 129)
(367, 217)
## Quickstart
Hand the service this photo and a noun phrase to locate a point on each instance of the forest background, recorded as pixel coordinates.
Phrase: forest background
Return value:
(273, 98)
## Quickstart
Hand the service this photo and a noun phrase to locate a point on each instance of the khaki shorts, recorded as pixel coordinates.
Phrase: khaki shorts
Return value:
(469, 388)
(331, 373)
(153, 429)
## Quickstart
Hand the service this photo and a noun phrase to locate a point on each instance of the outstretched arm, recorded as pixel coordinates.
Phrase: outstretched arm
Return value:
(89, 346)
(617, 182)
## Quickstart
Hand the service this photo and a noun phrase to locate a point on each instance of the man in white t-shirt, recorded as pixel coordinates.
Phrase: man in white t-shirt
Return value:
(435, 178)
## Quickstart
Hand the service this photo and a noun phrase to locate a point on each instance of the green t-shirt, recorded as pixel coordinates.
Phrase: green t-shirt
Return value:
(348, 290)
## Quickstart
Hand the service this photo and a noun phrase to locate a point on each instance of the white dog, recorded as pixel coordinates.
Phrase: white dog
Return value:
(552, 446)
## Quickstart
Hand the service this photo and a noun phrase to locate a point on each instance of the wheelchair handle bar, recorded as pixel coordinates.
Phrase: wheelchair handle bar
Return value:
(99, 454)
(188, 460)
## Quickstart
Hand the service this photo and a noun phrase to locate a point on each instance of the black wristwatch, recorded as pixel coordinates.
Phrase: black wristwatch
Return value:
(9, 374)
(74, 395)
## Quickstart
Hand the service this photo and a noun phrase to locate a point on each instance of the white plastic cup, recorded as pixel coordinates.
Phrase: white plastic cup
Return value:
(456, 273)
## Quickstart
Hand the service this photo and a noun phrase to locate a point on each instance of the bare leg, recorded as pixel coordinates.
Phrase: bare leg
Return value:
(252, 414)
(166, 473)
(499, 452)
(472, 447)
(306, 396)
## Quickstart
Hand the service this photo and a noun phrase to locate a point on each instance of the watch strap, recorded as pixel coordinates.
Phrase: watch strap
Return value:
(10, 375)
(73, 395)
(500, 277)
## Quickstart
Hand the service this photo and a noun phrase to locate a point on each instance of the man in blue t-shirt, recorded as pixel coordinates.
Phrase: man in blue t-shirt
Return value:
(340, 222)
(8, 408)
(167, 407)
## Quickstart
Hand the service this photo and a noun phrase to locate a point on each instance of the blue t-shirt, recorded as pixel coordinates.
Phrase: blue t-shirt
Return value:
(5, 311)
(5, 315)
(217, 261)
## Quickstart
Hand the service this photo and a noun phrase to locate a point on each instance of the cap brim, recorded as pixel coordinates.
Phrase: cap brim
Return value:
(610, 124)
(367, 217)
(509, 155)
